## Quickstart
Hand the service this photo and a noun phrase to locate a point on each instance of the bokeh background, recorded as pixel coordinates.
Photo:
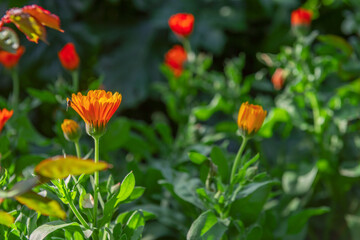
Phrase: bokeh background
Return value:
(123, 42)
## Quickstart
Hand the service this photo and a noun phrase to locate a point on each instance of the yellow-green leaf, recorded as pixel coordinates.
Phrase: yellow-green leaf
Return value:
(61, 167)
(43, 205)
(6, 219)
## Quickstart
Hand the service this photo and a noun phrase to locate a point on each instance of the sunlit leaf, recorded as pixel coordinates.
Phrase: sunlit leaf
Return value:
(61, 167)
(6, 219)
(126, 187)
(43, 16)
(32, 28)
(196, 157)
(43, 205)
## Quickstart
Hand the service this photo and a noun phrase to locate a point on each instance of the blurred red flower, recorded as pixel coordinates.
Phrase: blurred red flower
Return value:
(175, 59)
(4, 116)
(182, 24)
(278, 78)
(68, 57)
(10, 60)
(301, 16)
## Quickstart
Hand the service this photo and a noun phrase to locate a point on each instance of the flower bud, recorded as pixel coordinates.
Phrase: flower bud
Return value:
(175, 59)
(68, 57)
(250, 118)
(10, 60)
(71, 129)
(278, 78)
(182, 24)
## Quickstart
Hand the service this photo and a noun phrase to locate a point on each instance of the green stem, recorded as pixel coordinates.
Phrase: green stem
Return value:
(187, 47)
(96, 177)
(16, 87)
(316, 111)
(238, 161)
(78, 150)
(73, 208)
(75, 78)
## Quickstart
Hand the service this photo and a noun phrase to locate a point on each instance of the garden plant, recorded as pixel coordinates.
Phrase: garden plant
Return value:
(261, 144)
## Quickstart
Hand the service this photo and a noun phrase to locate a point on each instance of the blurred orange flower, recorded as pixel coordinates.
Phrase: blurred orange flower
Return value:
(301, 17)
(71, 130)
(175, 59)
(96, 109)
(10, 60)
(68, 57)
(250, 118)
(182, 24)
(4, 116)
(278, 78)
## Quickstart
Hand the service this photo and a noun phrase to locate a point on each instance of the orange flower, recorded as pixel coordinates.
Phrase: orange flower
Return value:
(4, 116)
(250, 118)
(96, 109)
(10, 60)
(71, 130)
(68, 57)
(278, 78)
(301, 17)
(175, 59)
(182, 24)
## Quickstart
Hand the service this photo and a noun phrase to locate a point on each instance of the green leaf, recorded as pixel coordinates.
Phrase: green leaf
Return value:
(134, 226)
(298, 221)
(116, 136)
(196, 157)
(20, 188)
(218, 103)
(44, 230)
(126, 187)
(219, 159)
(337, 42)
(276, 115)
(6, 219)
(299, 183)
(43, 205)
(136, 193)
(44, 96)
(60, 167)
(206, 226)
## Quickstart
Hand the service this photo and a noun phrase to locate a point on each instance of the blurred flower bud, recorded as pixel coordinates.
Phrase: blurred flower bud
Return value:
(10, 60)
(278, 78)
(182, 24)
(175, 59)
(68, 57)
(71, 129)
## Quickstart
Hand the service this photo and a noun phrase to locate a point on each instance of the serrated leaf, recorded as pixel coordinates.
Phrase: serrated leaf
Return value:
(43, 16)
(60, 167)
(33, 29)
(43, 205)
(6, 219)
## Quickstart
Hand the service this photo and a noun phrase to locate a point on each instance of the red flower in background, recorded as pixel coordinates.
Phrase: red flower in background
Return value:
(301, 17)
(31, 20)
(4, 116)
(278, 78)
(182, 24)
(68, 57)
(10, 60)
(175, 59)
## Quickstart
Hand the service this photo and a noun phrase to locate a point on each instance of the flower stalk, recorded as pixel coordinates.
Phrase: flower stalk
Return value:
(96, 179)
(238, 160)
(16, 87)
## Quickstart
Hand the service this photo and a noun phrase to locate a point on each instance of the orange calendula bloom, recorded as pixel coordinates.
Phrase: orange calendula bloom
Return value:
(96, 109)
(71, 130)
(250, 118)
(301, 17)
(68, 57)
(10, 60)
(175, 59)
(182, 24)
(4, 116)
